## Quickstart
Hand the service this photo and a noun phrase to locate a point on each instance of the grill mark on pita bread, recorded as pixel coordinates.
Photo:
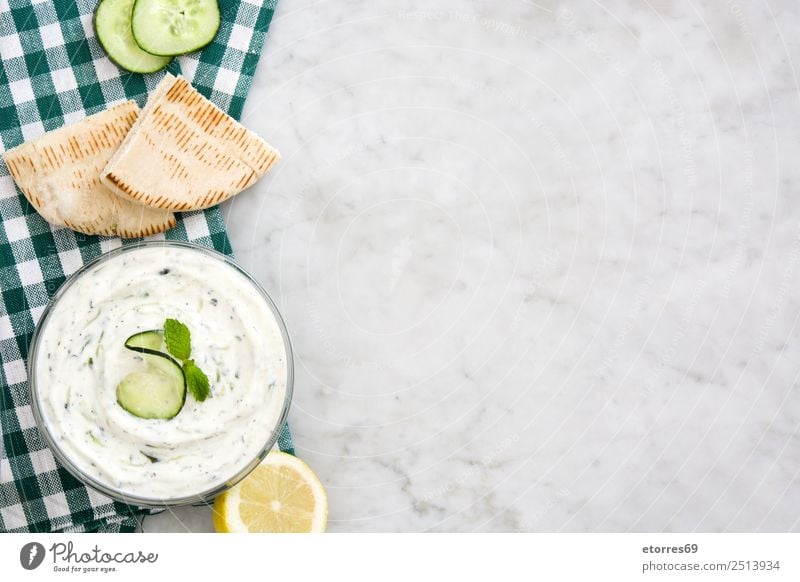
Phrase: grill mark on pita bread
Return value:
(179, 131)
(61, 153)
(203, 117)
(240, 137)
(50, 157)
(69, 225)
(103, 138)
(265, 161)
(200, 148)
(185, 93)
(72, 151)
(177, 171)
(118, 183)
(173, 91)
(183, 137)
(212, 118)
(148, 230)
(151, 142)
(168, 120)
(13, 169)
(131, 117)
(93, 146)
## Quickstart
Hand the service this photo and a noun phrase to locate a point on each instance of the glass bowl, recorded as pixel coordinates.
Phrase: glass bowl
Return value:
(92, 481)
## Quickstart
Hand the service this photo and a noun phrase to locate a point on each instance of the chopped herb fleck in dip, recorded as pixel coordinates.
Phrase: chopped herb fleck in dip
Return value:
(81, 358)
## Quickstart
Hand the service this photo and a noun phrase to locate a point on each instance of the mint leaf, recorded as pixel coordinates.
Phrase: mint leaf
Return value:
(196, 381)
(178, 339)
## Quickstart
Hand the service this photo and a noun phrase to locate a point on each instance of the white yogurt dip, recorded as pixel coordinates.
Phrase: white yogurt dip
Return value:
(236, 340)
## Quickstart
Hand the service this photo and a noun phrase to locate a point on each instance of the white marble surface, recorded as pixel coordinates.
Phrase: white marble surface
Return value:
(539, 261)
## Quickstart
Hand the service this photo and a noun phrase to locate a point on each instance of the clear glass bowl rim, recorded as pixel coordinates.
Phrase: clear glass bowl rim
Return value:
(61, 457)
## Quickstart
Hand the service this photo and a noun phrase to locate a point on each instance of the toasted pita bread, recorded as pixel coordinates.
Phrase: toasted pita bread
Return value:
(59, 173)
(184, 153)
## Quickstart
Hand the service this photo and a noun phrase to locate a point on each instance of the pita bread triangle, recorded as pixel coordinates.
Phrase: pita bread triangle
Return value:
(184, 153)
(59, 174)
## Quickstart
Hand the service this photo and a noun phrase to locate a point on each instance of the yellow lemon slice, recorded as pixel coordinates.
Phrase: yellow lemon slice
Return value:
(281, 495)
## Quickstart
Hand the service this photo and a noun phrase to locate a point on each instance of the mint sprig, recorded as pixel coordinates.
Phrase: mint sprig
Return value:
(179, 345)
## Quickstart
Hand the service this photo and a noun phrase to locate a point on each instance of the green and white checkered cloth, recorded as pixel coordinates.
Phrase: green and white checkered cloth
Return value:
(54, 72)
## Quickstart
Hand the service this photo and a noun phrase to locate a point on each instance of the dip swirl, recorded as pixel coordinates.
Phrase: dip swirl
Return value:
(80, 358)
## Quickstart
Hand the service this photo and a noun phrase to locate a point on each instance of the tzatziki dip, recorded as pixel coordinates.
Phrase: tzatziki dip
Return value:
(80, 358)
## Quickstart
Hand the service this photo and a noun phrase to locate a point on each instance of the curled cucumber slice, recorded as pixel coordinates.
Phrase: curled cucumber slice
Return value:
(146, 341)
(174, 27)
(158, 392)
(112, 24)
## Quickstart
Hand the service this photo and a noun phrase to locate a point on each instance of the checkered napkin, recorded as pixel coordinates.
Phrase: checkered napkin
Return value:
(54, 72)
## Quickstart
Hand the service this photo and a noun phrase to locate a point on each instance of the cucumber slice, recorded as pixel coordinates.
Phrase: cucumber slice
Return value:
(160, 392)
(151, 344)
(150, 340)
(152, 394)
(112, 23)
(174, 27)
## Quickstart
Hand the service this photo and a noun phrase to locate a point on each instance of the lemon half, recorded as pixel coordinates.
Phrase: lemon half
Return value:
(281, 495)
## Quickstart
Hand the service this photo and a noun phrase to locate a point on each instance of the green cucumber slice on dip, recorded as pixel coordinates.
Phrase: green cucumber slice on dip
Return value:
(112, 23)
(174, 27)
(151, 344)
(159, 392)
(146, 341)
(152, 394)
